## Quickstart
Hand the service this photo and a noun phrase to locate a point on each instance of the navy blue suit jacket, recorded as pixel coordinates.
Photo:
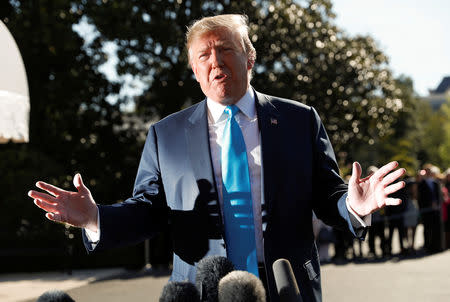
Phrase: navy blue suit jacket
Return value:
(175, 184)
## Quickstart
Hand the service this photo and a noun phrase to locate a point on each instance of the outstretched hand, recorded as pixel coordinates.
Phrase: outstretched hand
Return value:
(369, 194)
(75, 208)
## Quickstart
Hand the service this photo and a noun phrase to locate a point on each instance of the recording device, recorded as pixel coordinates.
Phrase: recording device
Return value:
(179, 292)
(287, 287)
(209, 272)
(241, 286)
(55, 296)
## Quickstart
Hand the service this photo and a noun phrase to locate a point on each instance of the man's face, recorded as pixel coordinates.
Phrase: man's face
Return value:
(220, 65)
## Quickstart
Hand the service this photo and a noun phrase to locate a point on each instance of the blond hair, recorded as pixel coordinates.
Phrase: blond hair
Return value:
(233, 22)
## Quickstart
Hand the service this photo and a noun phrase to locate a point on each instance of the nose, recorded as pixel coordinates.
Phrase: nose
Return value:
(216, 58)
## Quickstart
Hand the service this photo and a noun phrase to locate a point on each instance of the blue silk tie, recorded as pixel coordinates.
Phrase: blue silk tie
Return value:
(237, 197)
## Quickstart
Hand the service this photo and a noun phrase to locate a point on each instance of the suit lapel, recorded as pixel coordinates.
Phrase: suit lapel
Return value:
(197, 138)
(269, 124)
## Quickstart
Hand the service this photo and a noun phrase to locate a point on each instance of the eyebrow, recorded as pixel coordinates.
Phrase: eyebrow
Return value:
(219, 43)
(204, 49)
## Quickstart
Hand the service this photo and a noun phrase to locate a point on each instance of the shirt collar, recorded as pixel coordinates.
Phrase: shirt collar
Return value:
(246, 105)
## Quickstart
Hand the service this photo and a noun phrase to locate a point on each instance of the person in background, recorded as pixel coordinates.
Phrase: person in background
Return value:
(446, 207)
(429, 199)
(324, 237)
(411, 215)
(395, 217)
(377, 229)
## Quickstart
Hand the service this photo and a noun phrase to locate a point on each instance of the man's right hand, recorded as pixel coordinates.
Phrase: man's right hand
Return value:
(75, 208)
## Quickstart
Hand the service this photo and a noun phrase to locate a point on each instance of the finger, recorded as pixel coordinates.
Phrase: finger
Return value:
(48, 207)
(383, 171)
(367, 177)
(391, 177)
(78, 183)
(42, 196)
(394, 188)
(393, 201)
(56, 217)
(356, 173)
(55, 191)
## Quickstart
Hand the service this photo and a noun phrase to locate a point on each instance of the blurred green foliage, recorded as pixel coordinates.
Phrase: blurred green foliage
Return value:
(444, 147)
(72, 127)
(301, 54)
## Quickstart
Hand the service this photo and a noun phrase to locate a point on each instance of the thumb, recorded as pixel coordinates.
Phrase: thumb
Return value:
(356, 173)
(78, 183)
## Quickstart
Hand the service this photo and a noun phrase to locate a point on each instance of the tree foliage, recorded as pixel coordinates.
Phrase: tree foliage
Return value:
(444, 148)
(402, 140)
(430, 132)
(306, 57)
(301, 55)
(72, 127)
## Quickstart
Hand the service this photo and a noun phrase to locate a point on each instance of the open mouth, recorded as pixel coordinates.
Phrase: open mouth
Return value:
(219, 77)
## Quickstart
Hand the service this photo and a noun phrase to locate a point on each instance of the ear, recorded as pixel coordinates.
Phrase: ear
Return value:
(250, 63)
(192, 64)
(194, 69)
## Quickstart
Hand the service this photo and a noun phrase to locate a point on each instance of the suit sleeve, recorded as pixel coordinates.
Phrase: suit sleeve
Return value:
(330, 191)
(145, 213)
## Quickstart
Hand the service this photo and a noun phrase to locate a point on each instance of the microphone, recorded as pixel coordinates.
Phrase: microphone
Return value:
(285, 281)
(179, 292)
(209, 272)
(55, 296)
(241, 286)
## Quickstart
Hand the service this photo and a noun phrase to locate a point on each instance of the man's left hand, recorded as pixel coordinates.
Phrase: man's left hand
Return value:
(370, 194)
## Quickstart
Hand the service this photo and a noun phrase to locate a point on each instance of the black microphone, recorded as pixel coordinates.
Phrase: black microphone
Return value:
(241, 286)
(209, 272)
(55, 296)
(179, 292)
(285, 280)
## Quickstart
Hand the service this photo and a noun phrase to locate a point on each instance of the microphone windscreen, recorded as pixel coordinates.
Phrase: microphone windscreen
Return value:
(285, 281)
(209, 272)
(179, 292)
(55, 296)
(241, 286)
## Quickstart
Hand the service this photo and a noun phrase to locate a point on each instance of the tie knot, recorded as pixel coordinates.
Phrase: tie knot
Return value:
(231, 110)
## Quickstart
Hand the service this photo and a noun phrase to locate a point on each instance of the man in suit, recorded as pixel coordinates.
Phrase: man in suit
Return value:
(430, 200)
(289, 160)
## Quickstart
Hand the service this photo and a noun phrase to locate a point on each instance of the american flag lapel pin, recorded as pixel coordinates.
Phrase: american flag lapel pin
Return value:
(273, 121)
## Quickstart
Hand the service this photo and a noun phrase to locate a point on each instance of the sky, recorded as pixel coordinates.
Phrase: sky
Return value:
(414, 34)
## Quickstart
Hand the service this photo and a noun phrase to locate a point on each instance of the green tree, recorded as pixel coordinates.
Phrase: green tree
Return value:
(444, 148)
(401, 141)
(345, 78)
(430, 134)
(301, 55)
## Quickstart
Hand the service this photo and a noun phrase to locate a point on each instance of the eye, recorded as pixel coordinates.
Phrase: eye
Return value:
(203, 55)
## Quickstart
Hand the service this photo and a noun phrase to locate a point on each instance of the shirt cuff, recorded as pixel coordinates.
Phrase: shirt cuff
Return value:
(94, 237)
(364, 221)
